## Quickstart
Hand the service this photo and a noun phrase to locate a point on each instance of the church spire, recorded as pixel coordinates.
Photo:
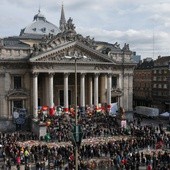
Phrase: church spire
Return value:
(62, 19)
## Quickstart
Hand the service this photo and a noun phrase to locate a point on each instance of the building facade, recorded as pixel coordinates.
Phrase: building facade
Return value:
(35, 69)
(142, 88)
(154, 87)
(161, 84)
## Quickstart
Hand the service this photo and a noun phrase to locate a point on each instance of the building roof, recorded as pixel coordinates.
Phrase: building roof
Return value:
(15, 43)
(162, 61)
(40, 26)
(146, 64)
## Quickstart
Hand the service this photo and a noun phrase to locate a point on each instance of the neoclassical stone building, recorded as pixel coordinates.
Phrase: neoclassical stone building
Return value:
(35, 69)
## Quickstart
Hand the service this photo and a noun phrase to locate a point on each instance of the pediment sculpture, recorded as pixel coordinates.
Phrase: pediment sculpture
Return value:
(70, 25)
(114, 56)
(62, 56)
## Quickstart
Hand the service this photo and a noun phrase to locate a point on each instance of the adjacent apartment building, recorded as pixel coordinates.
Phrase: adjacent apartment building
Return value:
(143, 83)
(152, 83)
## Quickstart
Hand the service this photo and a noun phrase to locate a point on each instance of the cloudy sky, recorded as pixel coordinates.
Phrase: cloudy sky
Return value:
(143, 24)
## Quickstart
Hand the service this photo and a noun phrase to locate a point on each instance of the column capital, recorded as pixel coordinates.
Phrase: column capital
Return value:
(126, 74)
(66, 74)
(35, 74)
(82, 74)
(110, 74)
(51, 74)
(96, 74)
(131, 74)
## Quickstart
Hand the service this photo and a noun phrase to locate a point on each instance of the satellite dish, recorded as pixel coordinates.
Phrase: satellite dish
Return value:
(16, 115)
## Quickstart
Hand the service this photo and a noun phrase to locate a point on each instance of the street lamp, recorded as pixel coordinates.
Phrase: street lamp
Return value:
(77, 130)
(169, 86)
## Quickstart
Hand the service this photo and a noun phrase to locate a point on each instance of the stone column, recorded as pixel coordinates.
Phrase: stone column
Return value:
(126, 92)
(120, 81)
(66, 108)
(51, 93)
(96, 91)
(46, 90)
(109, 88)
(103, 87)
(90, 91)
(130, 95)
(35, 95)
(51, 90)
(82, 91)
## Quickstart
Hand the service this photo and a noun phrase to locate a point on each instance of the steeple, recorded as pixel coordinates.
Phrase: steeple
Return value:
(62, 20)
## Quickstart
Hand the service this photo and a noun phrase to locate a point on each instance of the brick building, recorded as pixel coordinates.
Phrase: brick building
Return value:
(161, 84)
(142, 83)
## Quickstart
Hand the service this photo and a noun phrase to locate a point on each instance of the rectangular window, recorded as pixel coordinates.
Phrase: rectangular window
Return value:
(114, 82)
(165, 86)
(155, 93)
(17, 104)
(164, 78)
(159, 93)
(17, 82)
(160, 86)
(155, 85)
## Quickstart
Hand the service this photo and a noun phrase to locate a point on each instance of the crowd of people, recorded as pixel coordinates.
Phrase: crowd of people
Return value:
(123, 148)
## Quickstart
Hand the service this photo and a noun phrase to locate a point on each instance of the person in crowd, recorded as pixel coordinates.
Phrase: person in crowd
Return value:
(126, 152)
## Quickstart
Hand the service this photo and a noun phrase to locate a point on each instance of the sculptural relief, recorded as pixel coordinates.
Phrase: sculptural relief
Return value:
(70, 25)
(114, 56)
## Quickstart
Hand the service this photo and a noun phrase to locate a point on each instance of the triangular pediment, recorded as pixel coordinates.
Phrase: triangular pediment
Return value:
(71, 49)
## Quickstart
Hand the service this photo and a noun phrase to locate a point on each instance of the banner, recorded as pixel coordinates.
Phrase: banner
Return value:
(114, 109)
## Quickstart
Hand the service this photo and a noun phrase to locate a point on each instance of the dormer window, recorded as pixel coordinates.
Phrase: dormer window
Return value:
(43, 29)
(52, 30)
(34, 29)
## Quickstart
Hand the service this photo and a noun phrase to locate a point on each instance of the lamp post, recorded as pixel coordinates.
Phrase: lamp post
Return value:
(169, 87)
(77, 131)
(76, 119)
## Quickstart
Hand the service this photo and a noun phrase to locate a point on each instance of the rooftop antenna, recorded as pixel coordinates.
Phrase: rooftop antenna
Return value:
(153, 43)
(39, 10)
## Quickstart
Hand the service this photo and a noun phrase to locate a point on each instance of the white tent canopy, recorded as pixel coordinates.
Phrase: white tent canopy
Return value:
(114, 109)
(166, 114)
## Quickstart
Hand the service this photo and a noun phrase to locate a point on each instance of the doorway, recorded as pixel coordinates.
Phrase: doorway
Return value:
(17, 104)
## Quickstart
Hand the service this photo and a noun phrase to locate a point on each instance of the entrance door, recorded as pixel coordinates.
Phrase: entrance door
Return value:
(62, 97)
(113, 99)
